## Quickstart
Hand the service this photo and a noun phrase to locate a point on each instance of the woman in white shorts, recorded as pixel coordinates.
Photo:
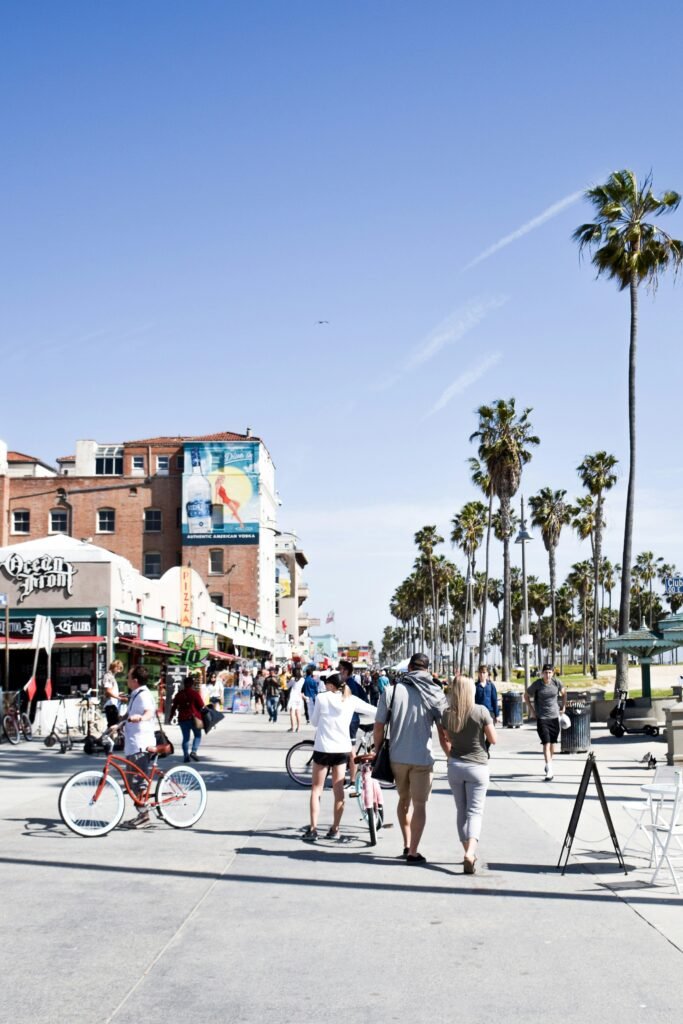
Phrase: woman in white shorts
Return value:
(296, 700)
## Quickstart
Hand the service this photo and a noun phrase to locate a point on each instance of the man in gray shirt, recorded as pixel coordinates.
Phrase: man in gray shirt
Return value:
(543, 699)
(415, 704)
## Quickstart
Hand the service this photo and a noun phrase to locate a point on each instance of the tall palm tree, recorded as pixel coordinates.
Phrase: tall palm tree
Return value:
(482, 480)
(427, 539)
(597, 476)
(583, 519)
(581, 578)
(468, 532)
(550, 512)
(629, 249)
(505, 440)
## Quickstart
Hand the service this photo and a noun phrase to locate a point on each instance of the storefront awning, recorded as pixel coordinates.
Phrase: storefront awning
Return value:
(153, 646)
(222, 656)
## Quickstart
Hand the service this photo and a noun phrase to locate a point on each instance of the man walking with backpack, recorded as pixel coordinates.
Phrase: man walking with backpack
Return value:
(413, 706)
(486, 695)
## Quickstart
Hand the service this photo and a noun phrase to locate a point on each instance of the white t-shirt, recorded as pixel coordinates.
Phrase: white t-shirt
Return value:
(139, 735)
(295, 693)
(332, 716)
(109, 683)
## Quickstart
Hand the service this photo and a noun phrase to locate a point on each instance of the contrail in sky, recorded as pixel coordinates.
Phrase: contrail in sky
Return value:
(531, 225)
(464, 381)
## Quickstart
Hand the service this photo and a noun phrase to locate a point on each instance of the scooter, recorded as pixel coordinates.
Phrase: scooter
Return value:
(617, 714)
(65, 741)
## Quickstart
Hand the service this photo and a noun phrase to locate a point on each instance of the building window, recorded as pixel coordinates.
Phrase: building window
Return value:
(109, 461)
(59, 520)
(180, 463)
(21, 521)
(152, 520)
(217, 599)
(163, 463)
(138, 465)
(216, 561)
(106, 520)
(152, 567)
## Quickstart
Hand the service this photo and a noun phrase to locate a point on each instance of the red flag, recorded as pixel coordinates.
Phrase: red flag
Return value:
(31, 688)
(48, 689)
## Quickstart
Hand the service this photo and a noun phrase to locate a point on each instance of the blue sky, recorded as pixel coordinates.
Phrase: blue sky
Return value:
(188, 188)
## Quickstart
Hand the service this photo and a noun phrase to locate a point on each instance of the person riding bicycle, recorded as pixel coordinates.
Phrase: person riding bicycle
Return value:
(138, 732)
(345, 670)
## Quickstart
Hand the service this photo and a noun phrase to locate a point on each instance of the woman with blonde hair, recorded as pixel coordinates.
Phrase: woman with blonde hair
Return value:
(465, 727)
(113, 697)
(331, 716)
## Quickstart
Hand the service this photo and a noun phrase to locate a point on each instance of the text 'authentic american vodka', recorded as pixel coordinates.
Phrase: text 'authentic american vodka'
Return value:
(198, 504)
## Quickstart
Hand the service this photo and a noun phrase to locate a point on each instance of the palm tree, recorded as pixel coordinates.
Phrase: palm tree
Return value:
(629, 249)
(581, 578)
(482, 480)
(597, 476)
(583, 518)
(648, 568)
(494, 591)
(427, 539)
(504, 442)
(550, 512)
(468, 532)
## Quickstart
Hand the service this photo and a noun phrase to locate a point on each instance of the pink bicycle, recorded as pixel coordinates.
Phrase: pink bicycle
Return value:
(369, 796)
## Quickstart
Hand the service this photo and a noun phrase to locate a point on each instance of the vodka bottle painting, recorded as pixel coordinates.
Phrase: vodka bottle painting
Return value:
(197, 498)
(221, 493)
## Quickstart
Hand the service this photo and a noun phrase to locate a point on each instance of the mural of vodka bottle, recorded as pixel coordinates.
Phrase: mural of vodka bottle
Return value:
(198, 494)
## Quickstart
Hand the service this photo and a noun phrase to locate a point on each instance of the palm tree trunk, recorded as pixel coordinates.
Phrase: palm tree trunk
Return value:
(431, 576)
(625, 597)
(553, 581)
(485, 599)
(596, 580)
(507, 587)
(585, 634)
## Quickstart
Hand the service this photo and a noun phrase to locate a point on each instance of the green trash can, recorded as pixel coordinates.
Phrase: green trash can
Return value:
(512, 709)
(577, 738)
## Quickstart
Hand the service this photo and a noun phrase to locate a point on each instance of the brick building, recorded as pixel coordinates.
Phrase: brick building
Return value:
(133, 498)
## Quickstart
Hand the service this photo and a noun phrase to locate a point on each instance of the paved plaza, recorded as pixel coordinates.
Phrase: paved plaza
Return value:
(237, 920)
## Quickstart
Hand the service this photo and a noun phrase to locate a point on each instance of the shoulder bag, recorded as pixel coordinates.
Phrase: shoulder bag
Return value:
(381, 769)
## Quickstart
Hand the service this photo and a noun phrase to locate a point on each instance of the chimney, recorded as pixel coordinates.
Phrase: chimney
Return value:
(248, 434)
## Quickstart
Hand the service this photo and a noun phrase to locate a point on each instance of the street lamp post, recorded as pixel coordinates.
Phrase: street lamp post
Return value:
(522, 538)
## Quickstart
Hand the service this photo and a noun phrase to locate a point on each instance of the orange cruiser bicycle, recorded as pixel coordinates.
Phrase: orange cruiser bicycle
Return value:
(91, 803)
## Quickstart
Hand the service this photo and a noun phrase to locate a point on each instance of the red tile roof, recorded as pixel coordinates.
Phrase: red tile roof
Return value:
(67, 458)
(226, 435)
(20, 457)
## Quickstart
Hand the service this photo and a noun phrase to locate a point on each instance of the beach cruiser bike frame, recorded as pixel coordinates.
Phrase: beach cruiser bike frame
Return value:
(91, 803)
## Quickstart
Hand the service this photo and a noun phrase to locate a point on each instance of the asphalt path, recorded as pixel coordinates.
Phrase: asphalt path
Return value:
(236, 919)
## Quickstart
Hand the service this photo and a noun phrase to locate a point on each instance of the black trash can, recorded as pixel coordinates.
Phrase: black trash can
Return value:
(577, 738)
(512, 709)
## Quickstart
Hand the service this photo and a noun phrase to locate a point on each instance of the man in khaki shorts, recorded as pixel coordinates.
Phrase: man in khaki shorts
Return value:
(415, 703)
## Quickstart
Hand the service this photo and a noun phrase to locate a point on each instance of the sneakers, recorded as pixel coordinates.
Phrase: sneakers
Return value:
(310, 835)
(140, 821)
(193, 756)
(548, 772)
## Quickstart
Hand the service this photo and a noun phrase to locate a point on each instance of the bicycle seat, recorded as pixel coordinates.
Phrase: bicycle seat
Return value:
(366, 727)
(160, 750)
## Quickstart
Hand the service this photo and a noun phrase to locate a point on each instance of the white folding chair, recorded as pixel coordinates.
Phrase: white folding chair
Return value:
(647, 811)
(667, 828)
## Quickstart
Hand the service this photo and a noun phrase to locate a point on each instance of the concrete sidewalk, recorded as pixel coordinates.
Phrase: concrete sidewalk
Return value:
(237, 919)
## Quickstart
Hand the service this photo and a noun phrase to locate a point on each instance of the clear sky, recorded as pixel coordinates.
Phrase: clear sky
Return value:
(188, 188)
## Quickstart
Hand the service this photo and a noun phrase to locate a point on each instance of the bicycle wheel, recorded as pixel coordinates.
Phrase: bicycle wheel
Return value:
(83, 720)
(299, 763)
(10, 728)
(85, 815)
(25, 726)
(181, 796)
(372, 825)
(359, 795)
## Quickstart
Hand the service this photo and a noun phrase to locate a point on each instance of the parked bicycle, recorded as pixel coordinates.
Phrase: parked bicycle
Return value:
(90, 718)
(91, 803)
(16, 723)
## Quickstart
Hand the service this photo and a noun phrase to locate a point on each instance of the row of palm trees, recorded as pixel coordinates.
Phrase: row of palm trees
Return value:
(628, 247)
(561, 622)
